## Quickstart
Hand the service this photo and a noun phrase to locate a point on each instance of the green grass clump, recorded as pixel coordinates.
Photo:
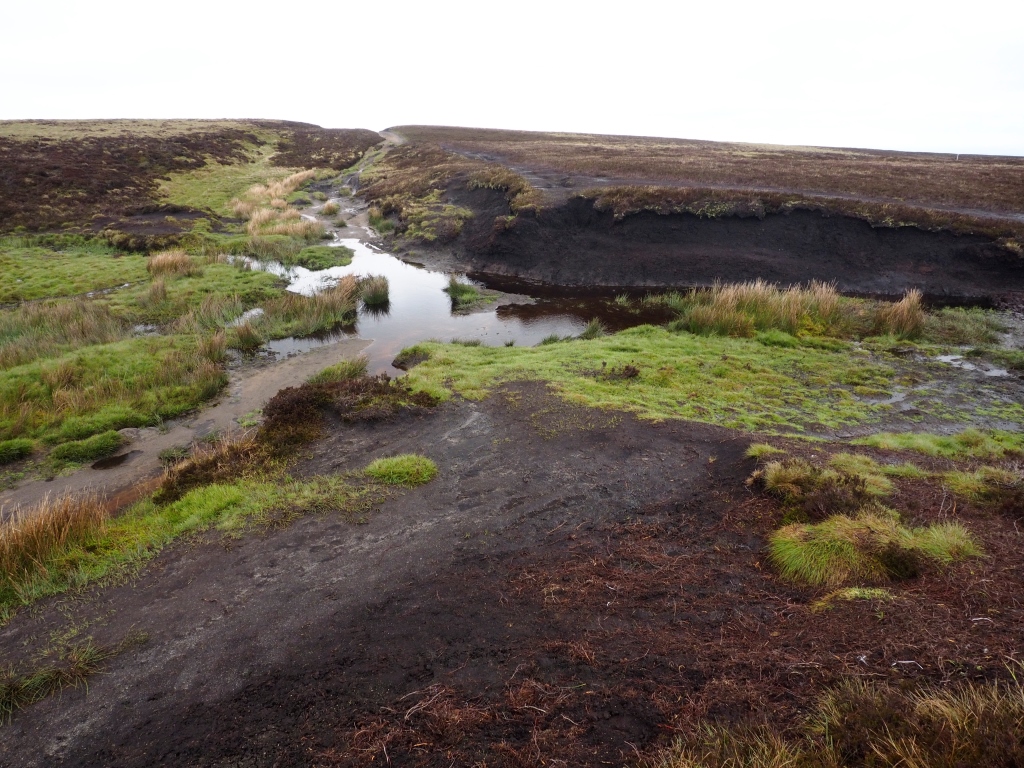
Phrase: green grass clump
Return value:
(129, 383)
(95, 447)
(317, 257)
(971, 443)
(982, 484)
(761, 450)
(871, 547)
(595, 329)
(15, 450)
(462, 295)
(346, 369)
(374, 291)
(866, 468)
(406, 469)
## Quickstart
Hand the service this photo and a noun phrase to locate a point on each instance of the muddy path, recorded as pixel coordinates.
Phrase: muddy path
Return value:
(575, 586)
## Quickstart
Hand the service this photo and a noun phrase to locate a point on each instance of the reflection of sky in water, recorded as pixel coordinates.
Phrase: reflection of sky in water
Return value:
(419, 310)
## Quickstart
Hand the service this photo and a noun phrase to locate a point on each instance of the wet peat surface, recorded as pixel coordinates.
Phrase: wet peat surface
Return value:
(574, 588)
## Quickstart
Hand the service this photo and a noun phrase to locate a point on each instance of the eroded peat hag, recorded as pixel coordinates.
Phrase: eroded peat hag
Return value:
(608, 210)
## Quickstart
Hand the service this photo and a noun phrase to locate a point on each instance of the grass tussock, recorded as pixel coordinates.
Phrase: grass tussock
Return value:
(374, 291)
(595, 329)
(871, 547)
(968, 444)
(95, 447)
(747, 309)
(984, 483)
(463, 295)
(15, 450)
(330, 209)
(860, 723)
(174, 262)
(406, 469)
(346, 369)
(33, 541)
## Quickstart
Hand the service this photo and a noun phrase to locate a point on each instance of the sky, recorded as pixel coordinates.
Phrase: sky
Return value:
(922, 76)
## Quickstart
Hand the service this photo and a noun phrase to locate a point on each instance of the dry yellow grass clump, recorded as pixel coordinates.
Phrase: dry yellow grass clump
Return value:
(32, 538)
(173, 262)
(266, 209)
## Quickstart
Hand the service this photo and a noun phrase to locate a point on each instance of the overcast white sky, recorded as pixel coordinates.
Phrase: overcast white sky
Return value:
(933, 76)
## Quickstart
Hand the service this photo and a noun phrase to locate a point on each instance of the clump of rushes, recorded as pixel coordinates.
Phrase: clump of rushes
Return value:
(246, 337)
(346, 369)
(175, 262)
(903, 319)
(764, 309)
(461, 294)
(341, 224)
(32, 540)
(157, 292)
(330, 209)
(15, 450)
(95, 447)
(595, 329)
(406, 469)
(373, 290)
(45, 329)
(214, 348)
(872, 547)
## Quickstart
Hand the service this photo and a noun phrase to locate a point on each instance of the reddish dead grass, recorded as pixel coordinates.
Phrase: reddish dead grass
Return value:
(656, 626)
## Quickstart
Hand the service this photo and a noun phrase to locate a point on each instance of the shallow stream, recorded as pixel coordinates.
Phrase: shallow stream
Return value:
(419, 309)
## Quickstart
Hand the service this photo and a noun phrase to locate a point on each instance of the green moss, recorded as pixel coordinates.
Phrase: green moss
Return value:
(406, 469)
(732, 382)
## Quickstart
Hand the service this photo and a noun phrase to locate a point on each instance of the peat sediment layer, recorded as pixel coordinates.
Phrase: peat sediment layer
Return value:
(576, 244)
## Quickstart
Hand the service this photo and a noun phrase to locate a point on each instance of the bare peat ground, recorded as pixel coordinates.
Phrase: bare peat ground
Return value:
(629, 211)
(575, 587)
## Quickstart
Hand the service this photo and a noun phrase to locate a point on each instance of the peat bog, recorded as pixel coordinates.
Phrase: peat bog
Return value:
(695, 454)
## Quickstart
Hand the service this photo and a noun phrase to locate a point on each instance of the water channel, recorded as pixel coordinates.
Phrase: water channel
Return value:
(419, 309)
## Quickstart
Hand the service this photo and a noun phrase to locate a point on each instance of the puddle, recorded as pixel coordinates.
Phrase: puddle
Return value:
(419, 309)
(957, 361)
(114, 461)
